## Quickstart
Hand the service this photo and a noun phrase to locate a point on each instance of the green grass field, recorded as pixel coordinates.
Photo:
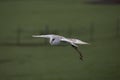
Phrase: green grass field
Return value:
(34, 62)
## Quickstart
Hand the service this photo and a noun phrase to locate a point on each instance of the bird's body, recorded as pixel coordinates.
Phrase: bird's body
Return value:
(56, 39)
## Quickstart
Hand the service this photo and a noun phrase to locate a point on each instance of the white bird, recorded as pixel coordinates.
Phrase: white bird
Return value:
(56, 39)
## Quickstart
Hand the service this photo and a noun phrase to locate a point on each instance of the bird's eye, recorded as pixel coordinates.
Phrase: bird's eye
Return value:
(53, 39)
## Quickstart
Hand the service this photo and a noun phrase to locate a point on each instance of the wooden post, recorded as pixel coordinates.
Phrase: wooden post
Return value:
(117, 27)
(69, 31)
(46, 31)
(92, 31)
(18, 37)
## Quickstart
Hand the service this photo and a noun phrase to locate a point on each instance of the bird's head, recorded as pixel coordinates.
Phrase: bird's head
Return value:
(54, 41)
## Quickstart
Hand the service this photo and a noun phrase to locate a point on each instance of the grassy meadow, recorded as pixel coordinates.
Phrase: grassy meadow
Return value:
(35, 62)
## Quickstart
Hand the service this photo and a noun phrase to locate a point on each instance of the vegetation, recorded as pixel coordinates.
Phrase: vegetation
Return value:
(35, 62)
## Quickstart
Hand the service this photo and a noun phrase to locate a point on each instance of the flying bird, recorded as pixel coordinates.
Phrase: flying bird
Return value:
(56, 39)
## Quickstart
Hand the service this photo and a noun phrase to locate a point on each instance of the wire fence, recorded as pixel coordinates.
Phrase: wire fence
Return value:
(23, 37)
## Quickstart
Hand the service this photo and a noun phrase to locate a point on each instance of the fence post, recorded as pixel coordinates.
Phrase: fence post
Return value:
(46, 31)
(117, 27)
(18, 37)
(69, 31)
(92, 31)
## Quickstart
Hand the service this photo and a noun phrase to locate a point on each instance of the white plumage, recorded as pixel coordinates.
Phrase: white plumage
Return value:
(56, 39)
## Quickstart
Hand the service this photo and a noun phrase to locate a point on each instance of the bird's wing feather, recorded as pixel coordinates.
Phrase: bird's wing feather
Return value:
(75, 41)
(66, 40)
(42, 36)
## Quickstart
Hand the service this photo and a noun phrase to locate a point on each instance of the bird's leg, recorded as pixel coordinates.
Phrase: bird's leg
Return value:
(76, 48)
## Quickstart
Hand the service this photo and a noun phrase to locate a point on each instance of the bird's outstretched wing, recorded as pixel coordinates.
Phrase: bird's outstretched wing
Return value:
(48, 36)
(76, 48)
(75, 41)
(42, 36)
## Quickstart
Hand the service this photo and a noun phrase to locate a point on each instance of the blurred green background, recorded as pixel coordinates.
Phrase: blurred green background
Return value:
(24, 58)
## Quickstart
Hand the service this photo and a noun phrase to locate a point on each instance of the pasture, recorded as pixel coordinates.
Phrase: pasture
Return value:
(30, 61)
